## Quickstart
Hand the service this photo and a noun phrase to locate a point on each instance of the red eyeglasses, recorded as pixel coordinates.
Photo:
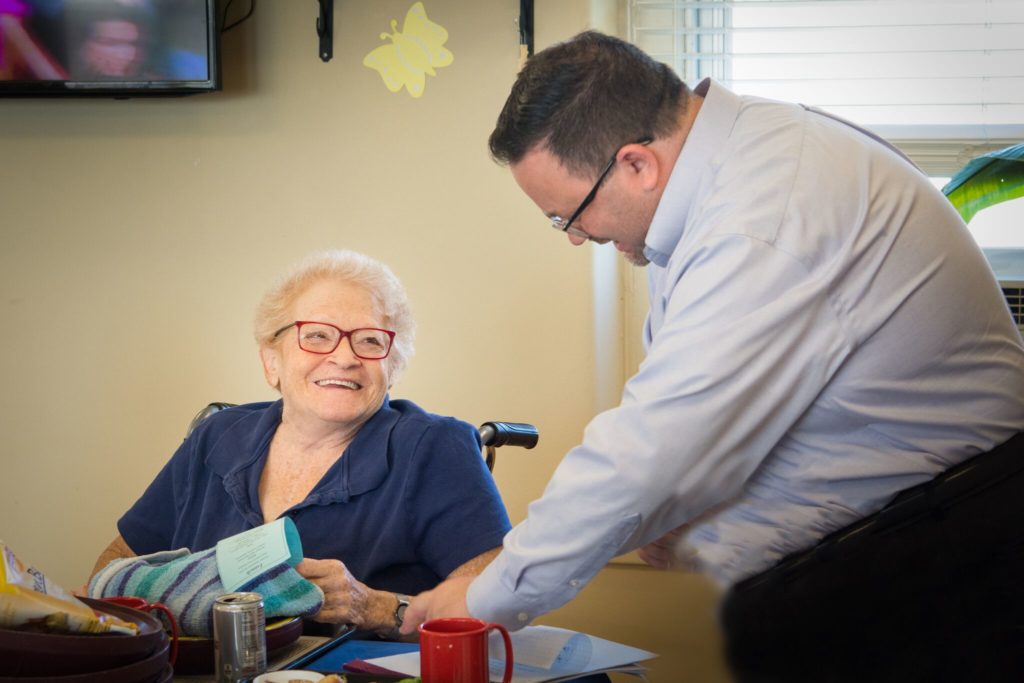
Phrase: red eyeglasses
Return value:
(368, 343)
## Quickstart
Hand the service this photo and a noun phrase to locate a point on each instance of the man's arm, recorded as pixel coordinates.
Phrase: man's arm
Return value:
(697, 419)
(448, 599)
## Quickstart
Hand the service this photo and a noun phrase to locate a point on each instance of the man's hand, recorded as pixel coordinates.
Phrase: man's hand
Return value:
(447, 600)
(665, 552)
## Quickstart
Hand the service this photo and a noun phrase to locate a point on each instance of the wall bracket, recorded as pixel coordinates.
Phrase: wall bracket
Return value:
(325, 29)
(526, 27)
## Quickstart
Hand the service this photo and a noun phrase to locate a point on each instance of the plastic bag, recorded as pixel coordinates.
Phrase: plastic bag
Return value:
(28, 598)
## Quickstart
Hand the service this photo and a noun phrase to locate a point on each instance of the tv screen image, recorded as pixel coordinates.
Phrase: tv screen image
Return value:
(108, 47)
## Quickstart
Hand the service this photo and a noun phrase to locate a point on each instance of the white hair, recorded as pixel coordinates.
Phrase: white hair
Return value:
(347, 267)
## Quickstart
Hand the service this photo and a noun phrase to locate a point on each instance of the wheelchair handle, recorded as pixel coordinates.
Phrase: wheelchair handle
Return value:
(508, 434)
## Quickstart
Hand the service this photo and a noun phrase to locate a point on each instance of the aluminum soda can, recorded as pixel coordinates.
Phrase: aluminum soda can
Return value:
(239, 637)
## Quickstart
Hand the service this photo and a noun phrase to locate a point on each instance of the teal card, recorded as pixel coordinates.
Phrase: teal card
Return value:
(243, 557)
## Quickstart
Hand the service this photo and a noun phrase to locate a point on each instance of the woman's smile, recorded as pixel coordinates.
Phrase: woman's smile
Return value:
(338, 383)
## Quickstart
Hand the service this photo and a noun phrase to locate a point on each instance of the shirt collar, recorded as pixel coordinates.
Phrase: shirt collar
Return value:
(709, 133)
(244, 442)
(364, 465)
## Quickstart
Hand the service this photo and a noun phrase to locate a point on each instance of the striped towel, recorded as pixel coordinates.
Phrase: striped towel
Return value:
(188, 583)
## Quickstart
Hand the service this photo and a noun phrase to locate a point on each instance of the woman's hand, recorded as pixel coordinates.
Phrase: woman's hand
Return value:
(347, 600)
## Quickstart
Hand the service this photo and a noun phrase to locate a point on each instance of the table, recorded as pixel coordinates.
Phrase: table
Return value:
(281, 659)
(334, 658)
(317, 653)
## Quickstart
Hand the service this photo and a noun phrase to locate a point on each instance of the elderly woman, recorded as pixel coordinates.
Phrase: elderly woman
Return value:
(388, 499)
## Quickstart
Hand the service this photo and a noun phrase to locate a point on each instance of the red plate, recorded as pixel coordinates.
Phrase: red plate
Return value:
(195, 655)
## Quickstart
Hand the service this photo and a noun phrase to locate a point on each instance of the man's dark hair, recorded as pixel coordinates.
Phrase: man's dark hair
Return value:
(585, 98)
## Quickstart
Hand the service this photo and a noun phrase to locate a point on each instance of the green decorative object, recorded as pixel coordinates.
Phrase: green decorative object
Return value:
(989, 179)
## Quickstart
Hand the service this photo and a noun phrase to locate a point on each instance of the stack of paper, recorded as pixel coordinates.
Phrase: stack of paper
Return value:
(543, 654)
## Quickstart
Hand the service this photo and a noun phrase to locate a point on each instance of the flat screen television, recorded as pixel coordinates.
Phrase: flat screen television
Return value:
(114, 48)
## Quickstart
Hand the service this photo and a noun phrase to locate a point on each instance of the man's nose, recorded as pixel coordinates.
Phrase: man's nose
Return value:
(576, 240)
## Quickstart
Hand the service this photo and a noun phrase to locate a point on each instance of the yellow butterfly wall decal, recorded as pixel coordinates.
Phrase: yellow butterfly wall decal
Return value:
(412, 54)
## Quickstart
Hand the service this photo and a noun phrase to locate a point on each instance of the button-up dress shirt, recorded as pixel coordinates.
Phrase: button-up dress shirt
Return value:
(823, 333)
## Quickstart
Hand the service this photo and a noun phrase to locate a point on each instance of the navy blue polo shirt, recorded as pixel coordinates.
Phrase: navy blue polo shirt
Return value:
(409, 500)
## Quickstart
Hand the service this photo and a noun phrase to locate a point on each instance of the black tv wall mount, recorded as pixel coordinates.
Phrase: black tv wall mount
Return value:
(325, 29)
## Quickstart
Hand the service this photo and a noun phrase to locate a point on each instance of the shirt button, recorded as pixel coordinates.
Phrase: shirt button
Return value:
(523, 616)
(574, 583)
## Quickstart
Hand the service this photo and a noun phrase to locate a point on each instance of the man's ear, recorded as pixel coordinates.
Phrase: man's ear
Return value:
(642, 164)
(271, 360)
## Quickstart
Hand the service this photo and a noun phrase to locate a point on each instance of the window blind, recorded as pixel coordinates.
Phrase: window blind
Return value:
(942, 79)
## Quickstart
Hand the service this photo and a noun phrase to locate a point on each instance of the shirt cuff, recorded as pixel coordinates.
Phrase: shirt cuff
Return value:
(489, 599)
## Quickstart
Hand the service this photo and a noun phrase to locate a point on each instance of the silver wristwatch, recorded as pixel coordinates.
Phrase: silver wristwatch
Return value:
(403, 603)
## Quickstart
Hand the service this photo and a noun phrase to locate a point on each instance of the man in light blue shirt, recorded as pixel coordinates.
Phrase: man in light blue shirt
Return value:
(823, 332)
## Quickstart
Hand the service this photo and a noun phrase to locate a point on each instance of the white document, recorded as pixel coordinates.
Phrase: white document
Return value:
(543, 654)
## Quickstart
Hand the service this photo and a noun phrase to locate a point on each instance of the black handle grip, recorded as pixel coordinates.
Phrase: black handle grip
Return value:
(207, 412)
(508, 434)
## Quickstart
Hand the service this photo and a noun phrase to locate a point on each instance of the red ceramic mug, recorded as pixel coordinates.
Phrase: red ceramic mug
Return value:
(143, 605)
(455, 651)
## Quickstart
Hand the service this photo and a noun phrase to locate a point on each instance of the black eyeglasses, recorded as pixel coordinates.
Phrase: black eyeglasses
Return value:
(368, 343)
(559, 223)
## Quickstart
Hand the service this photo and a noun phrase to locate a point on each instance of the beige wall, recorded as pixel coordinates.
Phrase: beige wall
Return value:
(138, 235)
